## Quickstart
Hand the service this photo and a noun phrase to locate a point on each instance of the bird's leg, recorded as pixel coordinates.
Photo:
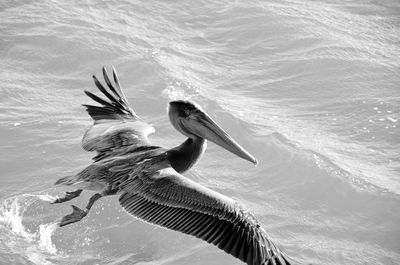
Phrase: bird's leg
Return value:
(77, 213)
(69, 195)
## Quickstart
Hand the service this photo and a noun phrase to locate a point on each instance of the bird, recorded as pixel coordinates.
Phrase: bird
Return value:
(149, 180)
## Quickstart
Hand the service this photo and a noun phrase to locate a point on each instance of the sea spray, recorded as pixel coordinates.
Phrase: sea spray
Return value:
(46, 197)
(39, 240)
(45, 233)
(11, 214)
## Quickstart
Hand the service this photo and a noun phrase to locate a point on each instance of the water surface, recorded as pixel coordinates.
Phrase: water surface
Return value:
(311, 88)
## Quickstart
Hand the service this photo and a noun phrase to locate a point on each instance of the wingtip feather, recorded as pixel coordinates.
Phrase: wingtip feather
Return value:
(116, 104)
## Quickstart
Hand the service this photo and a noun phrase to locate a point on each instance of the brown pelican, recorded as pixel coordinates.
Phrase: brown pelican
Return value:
(148, 178)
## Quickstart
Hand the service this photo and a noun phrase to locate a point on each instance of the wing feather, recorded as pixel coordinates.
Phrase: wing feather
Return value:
(116, 101)
(111, 87)
(117, 128)
(172, 201)
(118, 86)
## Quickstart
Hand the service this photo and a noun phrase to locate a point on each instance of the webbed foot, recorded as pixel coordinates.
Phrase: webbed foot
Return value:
(76, 215)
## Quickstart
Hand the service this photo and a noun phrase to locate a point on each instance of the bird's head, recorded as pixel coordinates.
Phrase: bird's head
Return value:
(191, 120)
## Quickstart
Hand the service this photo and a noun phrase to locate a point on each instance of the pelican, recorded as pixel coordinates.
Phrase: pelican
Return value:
(148, 178)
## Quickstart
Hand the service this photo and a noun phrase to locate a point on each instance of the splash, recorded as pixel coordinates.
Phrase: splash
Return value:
(45, 233)
(11, 214)
(34, 243)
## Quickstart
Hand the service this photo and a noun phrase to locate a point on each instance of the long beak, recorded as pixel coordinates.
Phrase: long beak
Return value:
(206, 128)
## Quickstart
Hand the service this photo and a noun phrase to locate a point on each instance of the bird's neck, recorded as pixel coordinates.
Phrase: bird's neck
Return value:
(184, 156)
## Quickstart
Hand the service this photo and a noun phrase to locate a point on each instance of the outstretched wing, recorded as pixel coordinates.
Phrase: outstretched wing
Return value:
(116, 127)
(170, 200)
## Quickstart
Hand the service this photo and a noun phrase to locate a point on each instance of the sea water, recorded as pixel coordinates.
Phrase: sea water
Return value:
(310, 88)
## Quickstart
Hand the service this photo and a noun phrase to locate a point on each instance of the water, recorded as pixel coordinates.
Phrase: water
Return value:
(311, 88)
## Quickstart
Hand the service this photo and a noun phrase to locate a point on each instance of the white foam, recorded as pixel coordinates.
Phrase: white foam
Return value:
(45, 233)
(36, 257)
(46, 197)
(40, 242)
(11, 215)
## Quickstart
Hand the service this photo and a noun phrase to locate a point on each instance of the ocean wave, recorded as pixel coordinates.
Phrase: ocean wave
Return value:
(310, 87)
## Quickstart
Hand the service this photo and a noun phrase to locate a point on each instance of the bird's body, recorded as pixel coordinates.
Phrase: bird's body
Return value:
(149, 181)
